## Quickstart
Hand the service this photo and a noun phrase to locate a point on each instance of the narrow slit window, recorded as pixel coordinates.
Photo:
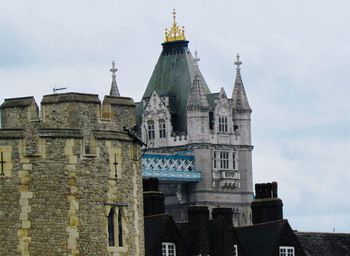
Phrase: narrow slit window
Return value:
(215, 160)
(162, 128)
(111, 228)
(120, 228)
(151, 133)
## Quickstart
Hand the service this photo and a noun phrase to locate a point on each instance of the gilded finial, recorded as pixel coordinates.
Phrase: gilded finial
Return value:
(175, 33)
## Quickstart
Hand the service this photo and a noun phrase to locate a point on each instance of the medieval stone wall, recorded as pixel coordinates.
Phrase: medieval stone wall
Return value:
(56, 193)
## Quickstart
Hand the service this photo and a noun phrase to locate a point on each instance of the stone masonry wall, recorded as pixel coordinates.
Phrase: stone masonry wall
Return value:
(55, 196)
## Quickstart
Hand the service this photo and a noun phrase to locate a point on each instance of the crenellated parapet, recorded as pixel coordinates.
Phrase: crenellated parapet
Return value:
(70, 110)
(71, 169)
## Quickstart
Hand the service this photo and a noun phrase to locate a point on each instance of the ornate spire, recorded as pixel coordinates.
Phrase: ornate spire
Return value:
(114, 88)
(196, 59)
(238, 63)
(239, 97)
(175, 33)
(197, 97)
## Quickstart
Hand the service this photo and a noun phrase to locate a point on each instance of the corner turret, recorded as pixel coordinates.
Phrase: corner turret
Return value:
(241, 110)
(239, 97)
(18, 112)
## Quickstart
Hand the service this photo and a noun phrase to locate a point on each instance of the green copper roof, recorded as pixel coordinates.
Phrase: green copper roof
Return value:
(173, 75)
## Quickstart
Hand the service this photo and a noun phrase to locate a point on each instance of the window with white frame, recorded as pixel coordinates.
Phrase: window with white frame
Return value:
(222, 124)
(162, 128)
(235, 250)
(287, 251)
(168, 249)
(150, 128)
(224, 160)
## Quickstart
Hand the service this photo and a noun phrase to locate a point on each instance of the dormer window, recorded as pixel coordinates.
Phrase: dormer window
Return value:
(162, 130)
(168, 249)
(222, 124)
(287, 251)
(235, 250)
(150, 128)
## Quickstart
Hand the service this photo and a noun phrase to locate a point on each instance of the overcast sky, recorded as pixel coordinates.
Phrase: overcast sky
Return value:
(296, 61)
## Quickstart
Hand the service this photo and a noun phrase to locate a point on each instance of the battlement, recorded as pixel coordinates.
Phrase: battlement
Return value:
(17, 112)
(69, 111)
(70, 97)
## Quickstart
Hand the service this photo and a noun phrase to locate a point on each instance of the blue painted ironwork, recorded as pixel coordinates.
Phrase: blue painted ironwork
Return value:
(177, 167)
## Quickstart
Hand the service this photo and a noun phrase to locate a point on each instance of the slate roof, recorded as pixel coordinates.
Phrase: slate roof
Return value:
(153, 230)
(211, 99)
(173, 74)
(161, 227)
(260, 239)
(324, 244)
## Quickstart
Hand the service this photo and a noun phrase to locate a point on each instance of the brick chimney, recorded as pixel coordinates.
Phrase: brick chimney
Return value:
(266, 206)
(222, 239)
(153, 199)
(198, 224)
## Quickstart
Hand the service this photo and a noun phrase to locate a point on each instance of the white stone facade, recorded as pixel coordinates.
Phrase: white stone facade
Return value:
(220, 140)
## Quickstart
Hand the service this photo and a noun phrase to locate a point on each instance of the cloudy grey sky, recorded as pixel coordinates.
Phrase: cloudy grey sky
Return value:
(296, 58)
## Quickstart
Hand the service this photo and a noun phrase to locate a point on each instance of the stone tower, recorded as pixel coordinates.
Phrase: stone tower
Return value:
(198, 142)
(70, 180)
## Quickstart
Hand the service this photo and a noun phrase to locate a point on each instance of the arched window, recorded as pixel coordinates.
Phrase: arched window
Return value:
(162, 130)
(115, 227)
(120, 228)
(150, 128)
(111, 228)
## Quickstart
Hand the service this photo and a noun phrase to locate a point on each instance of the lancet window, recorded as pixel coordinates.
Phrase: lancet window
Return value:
(150, 128)
(234, 160)
(162, 128)
(115, 227)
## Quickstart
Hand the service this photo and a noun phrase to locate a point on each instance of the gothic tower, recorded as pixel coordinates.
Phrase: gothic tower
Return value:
(198, 142)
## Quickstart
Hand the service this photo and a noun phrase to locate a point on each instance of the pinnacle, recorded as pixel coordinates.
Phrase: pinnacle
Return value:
(197, 97)
(114, 88)
(239, 97)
